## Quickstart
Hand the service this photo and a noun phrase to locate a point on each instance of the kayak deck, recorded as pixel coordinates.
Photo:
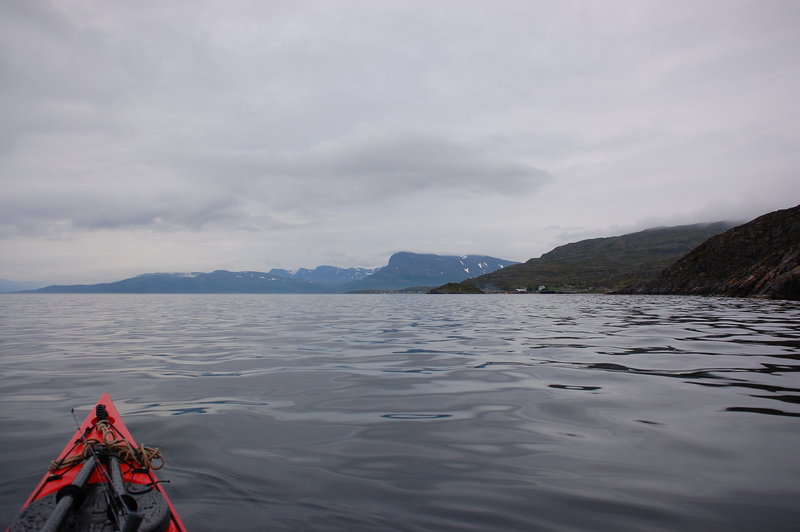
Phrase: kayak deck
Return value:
(102, 481)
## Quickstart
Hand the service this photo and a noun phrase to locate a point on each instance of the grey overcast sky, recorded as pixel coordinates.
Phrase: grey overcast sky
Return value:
(198, 135)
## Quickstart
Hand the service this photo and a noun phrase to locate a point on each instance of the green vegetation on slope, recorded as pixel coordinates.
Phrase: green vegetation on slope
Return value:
(464, 287)
(603, 263)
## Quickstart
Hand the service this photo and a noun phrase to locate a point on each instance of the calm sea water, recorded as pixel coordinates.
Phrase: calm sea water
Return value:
(423, 413)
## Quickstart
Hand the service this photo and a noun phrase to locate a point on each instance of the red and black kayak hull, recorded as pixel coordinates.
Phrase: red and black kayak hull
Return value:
(91, 497)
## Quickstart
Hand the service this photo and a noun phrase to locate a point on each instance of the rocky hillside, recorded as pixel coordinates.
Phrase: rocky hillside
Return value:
(760, 258)
(602, 263)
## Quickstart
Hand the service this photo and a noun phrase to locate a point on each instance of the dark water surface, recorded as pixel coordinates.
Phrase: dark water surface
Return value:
(369, 412)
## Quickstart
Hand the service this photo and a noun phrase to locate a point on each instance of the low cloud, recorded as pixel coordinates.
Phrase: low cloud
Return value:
(374, 165)
(403, 161)
(256, 189)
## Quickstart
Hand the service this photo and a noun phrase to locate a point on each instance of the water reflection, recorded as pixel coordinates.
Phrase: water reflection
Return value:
(416, 416)
(767, 411)
(574, 387)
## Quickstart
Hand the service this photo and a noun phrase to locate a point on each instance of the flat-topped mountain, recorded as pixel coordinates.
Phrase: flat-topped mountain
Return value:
(760, 258)
(602, 263)
(417, 269)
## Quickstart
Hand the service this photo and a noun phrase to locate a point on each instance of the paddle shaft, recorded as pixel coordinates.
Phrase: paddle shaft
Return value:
(65, 504)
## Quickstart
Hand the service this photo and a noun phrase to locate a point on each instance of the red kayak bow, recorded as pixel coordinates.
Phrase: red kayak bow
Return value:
(102, 481)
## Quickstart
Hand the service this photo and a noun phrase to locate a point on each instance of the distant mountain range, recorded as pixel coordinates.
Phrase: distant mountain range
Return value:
(17, 286)
(600, 264)
(220, 281)
(404, 270)
(326, 275)
(760, 258)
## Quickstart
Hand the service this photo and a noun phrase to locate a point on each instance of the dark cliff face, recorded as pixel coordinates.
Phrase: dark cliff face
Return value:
(758, 259)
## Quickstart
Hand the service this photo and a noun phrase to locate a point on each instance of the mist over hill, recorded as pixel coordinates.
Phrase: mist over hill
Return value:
(759, 258)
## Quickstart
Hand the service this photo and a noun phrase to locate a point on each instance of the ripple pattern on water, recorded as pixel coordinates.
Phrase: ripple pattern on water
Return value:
(367, 412)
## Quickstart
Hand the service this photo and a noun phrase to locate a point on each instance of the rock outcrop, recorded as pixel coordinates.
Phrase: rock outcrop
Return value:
(758, 259)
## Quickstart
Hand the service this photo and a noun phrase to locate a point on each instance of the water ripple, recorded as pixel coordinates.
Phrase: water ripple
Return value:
(424, 413)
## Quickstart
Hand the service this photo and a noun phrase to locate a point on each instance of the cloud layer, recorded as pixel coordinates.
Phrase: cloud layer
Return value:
(196, 135)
